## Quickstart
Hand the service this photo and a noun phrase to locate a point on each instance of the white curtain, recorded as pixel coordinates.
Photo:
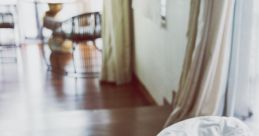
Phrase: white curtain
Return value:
(238, 99)
(205, 72)
(117, 42)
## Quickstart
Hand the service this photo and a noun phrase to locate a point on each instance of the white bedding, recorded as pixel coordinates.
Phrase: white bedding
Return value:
(208, 126)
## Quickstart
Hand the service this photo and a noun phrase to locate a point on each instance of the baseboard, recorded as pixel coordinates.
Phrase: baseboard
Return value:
(144, 91)
(166, 102)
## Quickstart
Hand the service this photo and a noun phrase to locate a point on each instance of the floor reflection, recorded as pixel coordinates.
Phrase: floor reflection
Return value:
(30, 95)
(87, 59)
(59, 61)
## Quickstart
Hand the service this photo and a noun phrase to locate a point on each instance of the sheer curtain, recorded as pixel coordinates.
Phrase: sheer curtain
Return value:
(117, 42)
(216, 77)
(238, 100)
(204, 77)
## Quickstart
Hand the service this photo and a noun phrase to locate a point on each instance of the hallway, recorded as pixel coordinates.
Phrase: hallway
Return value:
(34, 102)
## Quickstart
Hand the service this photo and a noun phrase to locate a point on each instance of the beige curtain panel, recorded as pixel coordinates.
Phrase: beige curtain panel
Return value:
(117, 42)
(205, 71)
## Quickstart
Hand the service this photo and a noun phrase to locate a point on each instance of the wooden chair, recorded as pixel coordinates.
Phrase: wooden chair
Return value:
(81, 28)
(7, 21)
(84, 27)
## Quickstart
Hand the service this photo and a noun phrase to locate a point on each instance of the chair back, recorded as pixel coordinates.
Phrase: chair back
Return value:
(82, 27)
(6, 20)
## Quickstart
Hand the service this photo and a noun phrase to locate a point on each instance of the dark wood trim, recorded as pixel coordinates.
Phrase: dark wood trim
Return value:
(144, 91)
(166, 102)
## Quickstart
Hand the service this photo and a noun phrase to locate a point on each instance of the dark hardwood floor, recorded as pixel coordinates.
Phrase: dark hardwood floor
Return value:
(36, 102)
(144, 121)
(51, 91)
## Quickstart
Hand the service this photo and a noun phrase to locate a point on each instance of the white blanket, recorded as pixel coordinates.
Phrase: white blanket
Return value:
(208, 126)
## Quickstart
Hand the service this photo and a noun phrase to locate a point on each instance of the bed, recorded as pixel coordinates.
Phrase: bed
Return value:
(208, 126)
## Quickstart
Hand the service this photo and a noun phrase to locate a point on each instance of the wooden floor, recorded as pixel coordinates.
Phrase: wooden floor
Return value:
(146, 121)
(35, 102)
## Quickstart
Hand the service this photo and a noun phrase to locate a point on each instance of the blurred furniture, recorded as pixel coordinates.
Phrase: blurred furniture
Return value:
(79, 29)
(7, 22)
(54, 7)
(83, 27)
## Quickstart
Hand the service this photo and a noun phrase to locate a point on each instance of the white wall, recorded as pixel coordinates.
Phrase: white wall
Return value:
(159, 51)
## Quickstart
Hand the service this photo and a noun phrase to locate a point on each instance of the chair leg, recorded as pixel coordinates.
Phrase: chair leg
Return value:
(14, 45)
(44, 57)
(10, 47)
(73, 55)
(3, 59)
(16, 37)
(41, 36)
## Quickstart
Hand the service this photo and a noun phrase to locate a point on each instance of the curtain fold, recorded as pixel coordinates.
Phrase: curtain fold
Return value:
(117, 43)
(204, 77)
